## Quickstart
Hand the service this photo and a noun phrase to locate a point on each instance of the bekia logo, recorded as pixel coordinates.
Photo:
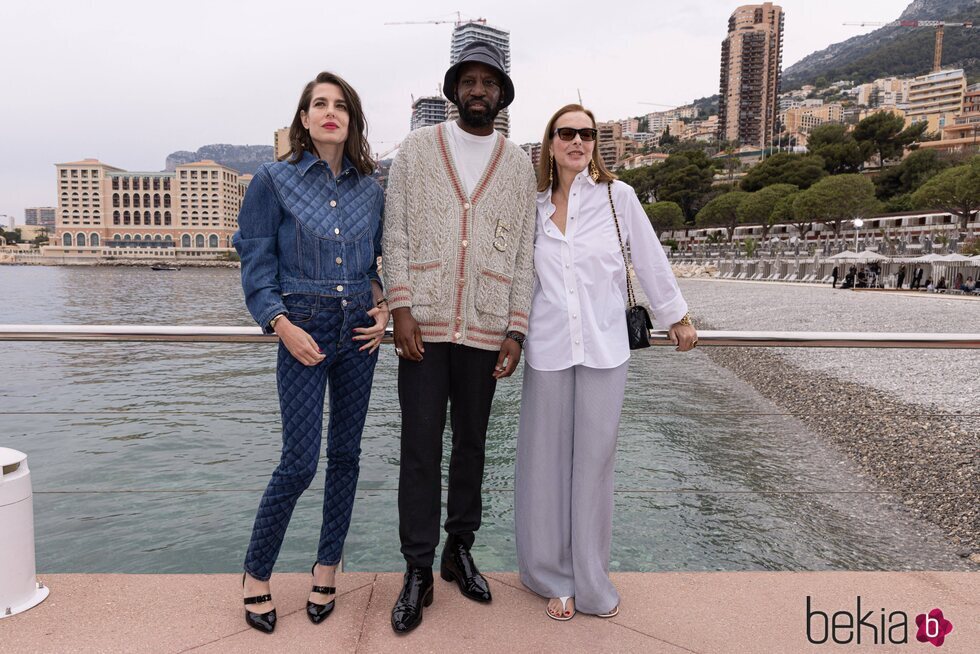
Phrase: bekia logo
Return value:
(873, 627)
(933, 628)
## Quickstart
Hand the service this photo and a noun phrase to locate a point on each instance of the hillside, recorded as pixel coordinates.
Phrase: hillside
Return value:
(243, 158)
(899, 51)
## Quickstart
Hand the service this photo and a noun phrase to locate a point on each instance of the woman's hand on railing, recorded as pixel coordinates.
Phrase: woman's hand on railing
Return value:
(375, 332)
(685, 337)
(300, 344)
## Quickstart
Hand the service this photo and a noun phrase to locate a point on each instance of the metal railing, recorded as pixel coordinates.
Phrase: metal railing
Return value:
(706, 338)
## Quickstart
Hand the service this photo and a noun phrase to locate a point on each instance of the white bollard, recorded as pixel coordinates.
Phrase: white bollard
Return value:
(19, 588)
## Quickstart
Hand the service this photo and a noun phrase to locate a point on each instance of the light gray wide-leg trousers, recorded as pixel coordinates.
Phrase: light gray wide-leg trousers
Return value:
(566, 449)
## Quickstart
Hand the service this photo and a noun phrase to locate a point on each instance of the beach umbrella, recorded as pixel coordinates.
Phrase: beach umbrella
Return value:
(953, 258)
(846, 255)
(868, 256)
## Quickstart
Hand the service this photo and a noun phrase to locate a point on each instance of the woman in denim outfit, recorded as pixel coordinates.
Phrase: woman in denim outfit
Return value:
(309, 237)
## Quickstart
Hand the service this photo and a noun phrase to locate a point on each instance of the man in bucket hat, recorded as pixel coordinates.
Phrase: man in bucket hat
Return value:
(458, 265)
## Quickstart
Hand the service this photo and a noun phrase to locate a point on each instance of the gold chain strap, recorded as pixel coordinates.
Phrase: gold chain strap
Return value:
(627, 259)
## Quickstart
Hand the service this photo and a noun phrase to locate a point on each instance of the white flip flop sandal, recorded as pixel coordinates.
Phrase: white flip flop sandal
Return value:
(611, 614)
(562, 617)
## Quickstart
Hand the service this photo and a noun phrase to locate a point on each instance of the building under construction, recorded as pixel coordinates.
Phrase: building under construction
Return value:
(478, 30)
(428, 111)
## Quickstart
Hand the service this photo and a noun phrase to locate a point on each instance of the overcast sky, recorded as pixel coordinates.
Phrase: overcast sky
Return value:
(130, 82)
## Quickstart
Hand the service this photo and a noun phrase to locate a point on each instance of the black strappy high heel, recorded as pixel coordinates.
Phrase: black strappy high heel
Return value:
(317, 613)
(264, 622)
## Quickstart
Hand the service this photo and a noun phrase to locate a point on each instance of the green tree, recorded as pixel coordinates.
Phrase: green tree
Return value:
(838, 199)
(664, 216)
(783, 212)
(838, 149)
(909, 175)
(642, 181)
(800, 170)
(685, 178)
(955, 190)
(759, 207)
(11, 236)
(801, 211)
(884, 134)
(723, 212)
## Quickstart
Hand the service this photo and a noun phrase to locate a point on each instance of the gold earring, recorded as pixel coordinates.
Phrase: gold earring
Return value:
(593, 170)
(551, 169)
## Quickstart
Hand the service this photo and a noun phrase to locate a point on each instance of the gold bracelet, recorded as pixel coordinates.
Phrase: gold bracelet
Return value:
(686, 320)
(272, 323)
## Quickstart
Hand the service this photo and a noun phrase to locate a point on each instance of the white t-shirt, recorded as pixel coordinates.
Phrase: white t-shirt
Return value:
(471, 154)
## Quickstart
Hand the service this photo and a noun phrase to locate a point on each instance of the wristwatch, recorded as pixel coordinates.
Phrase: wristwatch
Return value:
(517, 336)
(686, 320)
(272, 323)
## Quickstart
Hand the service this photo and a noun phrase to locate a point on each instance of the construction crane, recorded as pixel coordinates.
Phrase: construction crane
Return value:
(380, 157)
(940, 25)
(459, 21)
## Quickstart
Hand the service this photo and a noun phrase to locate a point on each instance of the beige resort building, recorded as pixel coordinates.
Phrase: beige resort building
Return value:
(106, 211)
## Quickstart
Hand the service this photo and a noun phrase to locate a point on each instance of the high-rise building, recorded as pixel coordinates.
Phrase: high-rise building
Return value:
(466, 33)
(936, 98)
(751, 66)
(43, 216)
(802, 120)
(428, 111)
(966, 125)
(280, 141)
(612, 145)
(193, 209)
(630, 125)
(533, 151)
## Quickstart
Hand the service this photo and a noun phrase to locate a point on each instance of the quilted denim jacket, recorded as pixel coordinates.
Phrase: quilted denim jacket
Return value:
(301, 230)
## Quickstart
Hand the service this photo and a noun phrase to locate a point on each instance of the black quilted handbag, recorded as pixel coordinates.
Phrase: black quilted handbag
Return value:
(638, 323)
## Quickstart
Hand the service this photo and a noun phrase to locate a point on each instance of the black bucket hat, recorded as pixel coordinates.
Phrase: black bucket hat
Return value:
(484, 53)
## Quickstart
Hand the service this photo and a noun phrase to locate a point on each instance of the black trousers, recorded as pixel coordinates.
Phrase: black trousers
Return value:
(461, 376)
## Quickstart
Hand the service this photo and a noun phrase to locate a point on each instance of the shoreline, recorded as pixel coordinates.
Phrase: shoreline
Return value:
(928, 456)
(127, 263)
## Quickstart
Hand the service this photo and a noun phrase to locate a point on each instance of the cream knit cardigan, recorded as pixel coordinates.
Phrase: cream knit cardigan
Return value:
(464, 265)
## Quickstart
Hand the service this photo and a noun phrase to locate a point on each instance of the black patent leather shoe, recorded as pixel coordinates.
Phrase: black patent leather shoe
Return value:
(317, 613)
(458, 566)
(416, 594)
(264, 622)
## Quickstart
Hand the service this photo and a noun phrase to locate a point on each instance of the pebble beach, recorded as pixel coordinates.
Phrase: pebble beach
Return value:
(910, 419)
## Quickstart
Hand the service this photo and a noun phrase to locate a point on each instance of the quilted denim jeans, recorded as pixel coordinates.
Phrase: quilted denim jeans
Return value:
(348, 374)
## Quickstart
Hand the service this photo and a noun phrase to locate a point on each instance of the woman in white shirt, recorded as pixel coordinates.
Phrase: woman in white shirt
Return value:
(576, 357)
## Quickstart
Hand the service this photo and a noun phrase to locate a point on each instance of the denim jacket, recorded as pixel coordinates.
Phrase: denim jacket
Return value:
(301, 230)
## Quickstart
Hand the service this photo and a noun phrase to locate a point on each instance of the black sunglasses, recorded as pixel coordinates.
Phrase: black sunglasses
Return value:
(568, 133)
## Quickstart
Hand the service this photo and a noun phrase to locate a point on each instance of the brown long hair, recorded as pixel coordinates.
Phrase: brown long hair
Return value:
(546, 165)
(356, 148)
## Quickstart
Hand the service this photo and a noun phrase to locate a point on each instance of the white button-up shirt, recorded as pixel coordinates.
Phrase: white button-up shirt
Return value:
(578, 309)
